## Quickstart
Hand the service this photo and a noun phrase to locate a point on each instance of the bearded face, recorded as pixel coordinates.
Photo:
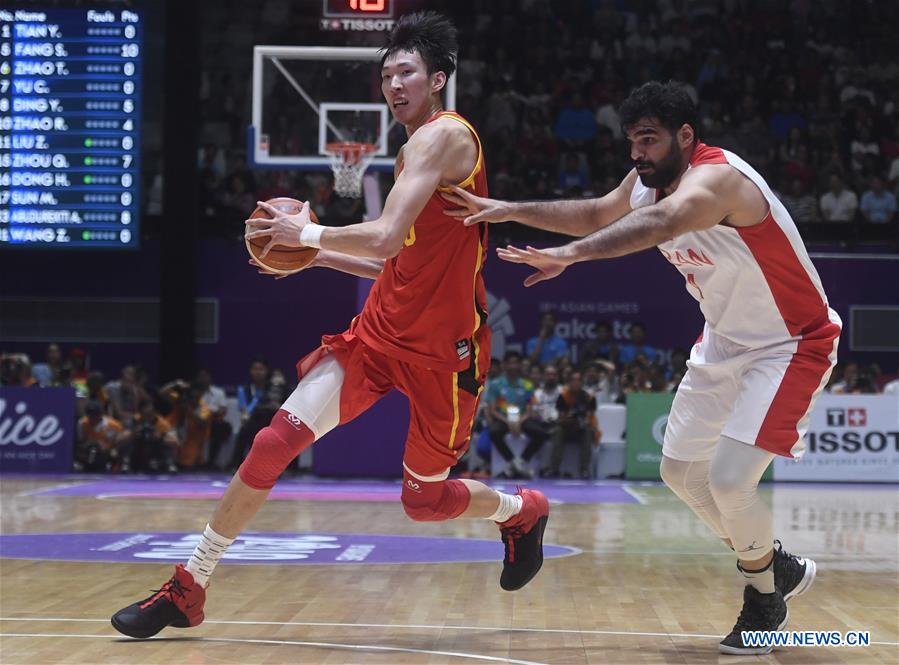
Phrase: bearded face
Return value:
(656, 154)
(661, 173)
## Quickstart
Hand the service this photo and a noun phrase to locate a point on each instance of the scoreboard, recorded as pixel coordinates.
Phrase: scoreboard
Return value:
(70, 120)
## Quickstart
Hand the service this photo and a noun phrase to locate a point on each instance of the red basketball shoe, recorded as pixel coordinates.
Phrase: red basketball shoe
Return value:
(523, 537)
(178, 603)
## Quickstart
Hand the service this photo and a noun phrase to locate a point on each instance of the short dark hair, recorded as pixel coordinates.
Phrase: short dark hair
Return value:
(431, 34)
(512, 355)
(669, 103)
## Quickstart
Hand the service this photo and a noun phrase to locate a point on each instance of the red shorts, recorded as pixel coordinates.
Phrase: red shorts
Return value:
(442, 404)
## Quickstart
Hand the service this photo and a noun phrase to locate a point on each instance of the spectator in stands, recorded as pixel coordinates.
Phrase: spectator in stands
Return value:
(801, 205)
(878, 205)
(627, 352)
(190, 419)
(863, 146)
(844, 378)
(601, 381)
(574, 176)
(45, 373)
(96, 392)
(600, 347)
(576, 125)
(535, 375)
(256, 401)
(893, 176)
(154, 442)
(577, 423)
(543, 413)
(892, 388)
(15, 370)
(547, 346)
(217, 403)
(507, 404)
(125, 395)
(839, 204)
(101, 441)
(78, 362)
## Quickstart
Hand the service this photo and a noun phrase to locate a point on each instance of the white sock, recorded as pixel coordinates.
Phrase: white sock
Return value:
(206, 555)
(762, 580)
(509, 506)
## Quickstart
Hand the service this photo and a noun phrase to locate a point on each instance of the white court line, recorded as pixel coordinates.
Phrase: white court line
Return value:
(52, 488)
(328, 645)
(419, 626)
(634, 494)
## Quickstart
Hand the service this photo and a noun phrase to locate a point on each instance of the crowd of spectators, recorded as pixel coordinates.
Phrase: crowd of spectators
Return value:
(127, 424)
(543, 395)
(807, 92)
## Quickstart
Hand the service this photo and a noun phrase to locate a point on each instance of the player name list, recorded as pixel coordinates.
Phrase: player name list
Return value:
(70, 90)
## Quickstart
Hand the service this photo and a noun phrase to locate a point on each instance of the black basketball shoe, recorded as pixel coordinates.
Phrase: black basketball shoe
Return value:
(178, 603)
(793, 575)
(761, 611)
(523, 537)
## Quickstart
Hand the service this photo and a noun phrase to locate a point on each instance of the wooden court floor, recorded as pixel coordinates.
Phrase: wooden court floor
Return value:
(643, 581)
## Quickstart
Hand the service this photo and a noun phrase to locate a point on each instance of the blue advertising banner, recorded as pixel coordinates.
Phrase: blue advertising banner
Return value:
(37, 429)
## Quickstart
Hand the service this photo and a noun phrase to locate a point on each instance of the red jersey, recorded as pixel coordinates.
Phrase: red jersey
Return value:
(428, 307)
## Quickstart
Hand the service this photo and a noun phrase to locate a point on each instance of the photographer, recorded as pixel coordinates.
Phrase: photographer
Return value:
(577, 423)
(102, 442)
(154, 442)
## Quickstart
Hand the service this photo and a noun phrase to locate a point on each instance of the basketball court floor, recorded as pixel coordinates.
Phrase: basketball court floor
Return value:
(333, 572)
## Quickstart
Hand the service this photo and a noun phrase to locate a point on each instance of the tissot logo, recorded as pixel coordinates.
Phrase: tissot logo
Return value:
(851, 417)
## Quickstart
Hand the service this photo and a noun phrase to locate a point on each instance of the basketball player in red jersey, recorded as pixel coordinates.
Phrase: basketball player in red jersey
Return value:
(422, 330)
(769, 341)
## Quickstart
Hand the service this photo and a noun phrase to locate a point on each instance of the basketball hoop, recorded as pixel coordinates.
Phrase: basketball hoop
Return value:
(348, 162)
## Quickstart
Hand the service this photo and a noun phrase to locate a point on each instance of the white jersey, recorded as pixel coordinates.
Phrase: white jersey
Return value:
(756, 285)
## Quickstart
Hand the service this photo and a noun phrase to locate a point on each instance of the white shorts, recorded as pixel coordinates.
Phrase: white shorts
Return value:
(762, 397)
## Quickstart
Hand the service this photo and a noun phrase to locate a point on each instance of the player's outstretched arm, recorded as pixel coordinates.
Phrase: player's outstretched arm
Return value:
(577, 217)
(706, 196)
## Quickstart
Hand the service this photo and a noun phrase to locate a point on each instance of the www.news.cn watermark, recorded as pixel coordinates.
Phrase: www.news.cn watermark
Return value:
(806, 638)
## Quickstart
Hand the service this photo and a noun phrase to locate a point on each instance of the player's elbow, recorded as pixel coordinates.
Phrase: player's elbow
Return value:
(387, 245)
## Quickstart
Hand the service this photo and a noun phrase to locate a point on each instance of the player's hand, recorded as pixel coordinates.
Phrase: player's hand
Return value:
(262, 270)
(473, 209)
(283, 229)
(548, 262)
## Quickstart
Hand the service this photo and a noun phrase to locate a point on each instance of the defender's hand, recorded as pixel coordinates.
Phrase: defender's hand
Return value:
(547, 261)
(474, 209)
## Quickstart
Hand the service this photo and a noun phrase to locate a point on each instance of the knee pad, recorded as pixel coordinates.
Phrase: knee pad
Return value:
(434, 502)
(733, 488)
(274, 447)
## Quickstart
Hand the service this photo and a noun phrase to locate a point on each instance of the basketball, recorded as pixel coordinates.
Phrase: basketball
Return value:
(282, 260)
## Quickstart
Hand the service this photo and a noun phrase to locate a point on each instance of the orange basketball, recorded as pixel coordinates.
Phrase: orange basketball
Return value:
(282, 260)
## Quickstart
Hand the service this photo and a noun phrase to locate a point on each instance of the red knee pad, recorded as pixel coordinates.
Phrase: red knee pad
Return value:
(434, 502)
(274, 447)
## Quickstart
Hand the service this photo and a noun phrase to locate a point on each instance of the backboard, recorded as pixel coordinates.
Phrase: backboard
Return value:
(305, 97)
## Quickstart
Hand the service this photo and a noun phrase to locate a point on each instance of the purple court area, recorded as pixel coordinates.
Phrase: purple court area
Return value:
(259, 548)
(316, 490)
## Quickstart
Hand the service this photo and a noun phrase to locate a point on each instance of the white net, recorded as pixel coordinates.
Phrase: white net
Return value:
(348, 162)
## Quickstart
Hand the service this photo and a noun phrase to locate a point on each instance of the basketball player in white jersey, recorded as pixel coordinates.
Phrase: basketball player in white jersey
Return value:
(768, 344)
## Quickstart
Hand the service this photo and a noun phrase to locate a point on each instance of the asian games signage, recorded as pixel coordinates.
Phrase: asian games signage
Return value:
(37, 429)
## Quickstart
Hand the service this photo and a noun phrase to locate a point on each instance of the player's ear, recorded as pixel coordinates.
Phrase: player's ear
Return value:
(685, 136)
(438, 81)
